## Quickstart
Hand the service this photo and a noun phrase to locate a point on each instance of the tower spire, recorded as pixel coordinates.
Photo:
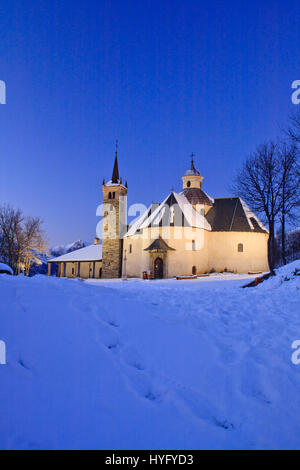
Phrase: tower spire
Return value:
(192, 162)
(115, 176)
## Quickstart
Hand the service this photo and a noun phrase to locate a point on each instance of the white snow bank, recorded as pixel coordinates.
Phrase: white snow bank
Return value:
(287, 277)
(148, 365)
(6, 267)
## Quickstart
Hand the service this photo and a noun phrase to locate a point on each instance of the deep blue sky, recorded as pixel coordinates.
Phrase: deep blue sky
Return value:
(164, 77)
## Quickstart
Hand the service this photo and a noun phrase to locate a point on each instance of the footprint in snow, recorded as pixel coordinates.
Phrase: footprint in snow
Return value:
(22, 364)
(113, 346)
(24, 368)
(107, 337)
(143, 387)
(260, 396)
(223, 424)
(80, 305)
(132, 358)
(105, 318)
(199, 406)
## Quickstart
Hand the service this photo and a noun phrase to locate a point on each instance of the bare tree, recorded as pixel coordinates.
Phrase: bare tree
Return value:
(10, 228)
(290, 189)
(293, 130)
(33, 243)
(21, 239)
(259, 184)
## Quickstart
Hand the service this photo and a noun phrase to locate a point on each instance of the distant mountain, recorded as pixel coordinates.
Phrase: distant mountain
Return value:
(54, 252)
(60, 250)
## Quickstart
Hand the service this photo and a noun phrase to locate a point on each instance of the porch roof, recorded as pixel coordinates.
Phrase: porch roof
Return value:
(159, 245)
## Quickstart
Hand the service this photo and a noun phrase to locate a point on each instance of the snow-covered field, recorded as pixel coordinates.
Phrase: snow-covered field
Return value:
(196, 364)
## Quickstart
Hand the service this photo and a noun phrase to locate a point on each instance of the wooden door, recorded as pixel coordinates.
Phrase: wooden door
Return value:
(158, 268)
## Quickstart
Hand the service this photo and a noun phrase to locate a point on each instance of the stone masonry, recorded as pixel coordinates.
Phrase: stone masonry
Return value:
(114, 218)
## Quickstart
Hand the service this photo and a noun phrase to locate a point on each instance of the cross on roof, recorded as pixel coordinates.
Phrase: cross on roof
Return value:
(192, 161)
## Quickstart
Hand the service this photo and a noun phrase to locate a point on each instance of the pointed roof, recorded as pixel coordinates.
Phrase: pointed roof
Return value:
(192, 171)
(185, 214)
(115, 176)
(158, 215)
(87, 253)
(134, 226)
(233, 215)
(159, 245)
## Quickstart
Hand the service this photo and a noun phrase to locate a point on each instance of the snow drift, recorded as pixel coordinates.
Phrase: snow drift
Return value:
(166, 364)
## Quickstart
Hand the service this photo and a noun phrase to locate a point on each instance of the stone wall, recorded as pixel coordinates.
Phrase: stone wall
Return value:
(114, 217)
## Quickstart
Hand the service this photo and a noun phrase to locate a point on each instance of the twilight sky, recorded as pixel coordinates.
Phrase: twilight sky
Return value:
(165, 78)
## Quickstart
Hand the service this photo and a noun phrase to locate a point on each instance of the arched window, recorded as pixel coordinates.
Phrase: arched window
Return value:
(193, 245)
(113, 195)
(188, 184)
(194, 270)
(240, 248)
(109, 195)
(130, 248)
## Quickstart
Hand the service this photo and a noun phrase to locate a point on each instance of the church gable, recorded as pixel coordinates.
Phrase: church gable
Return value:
(175, 211)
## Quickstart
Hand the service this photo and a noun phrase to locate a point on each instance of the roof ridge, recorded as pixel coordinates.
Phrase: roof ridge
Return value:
(227, 197)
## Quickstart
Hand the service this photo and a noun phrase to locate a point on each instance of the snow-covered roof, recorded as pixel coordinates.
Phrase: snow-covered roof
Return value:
(6, 267)
(233, 215)
(193, 217)
(137, 222)
(110, 183)
(88, 253)
(250, 215)
(152, 217)
(192, 173)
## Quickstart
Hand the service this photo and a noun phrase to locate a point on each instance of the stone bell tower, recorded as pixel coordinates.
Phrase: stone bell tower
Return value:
(114, 223)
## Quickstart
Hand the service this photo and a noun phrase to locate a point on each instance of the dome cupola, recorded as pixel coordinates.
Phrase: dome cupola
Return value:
(192, 177)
